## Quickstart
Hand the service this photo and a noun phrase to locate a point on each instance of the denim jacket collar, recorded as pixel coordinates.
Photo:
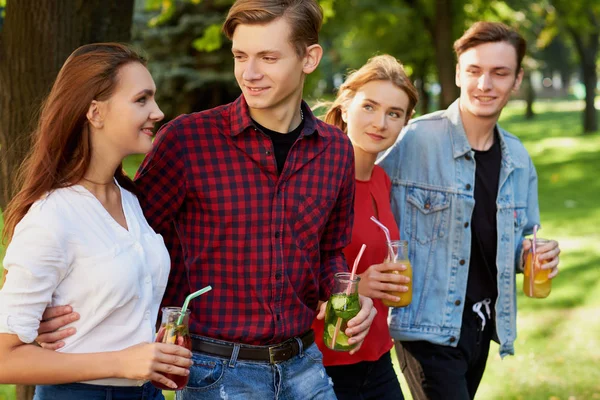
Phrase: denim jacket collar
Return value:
(458, 136)
(460, 143)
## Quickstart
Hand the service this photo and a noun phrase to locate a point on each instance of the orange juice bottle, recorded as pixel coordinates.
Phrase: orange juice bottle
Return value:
(536, 283)
(400, 256)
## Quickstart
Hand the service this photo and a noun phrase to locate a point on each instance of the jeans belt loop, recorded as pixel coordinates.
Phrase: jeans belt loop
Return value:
(300, 346)
(234, 356)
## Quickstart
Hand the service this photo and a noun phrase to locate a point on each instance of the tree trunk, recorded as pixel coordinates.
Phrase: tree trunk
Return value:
(37, 37)
(425, 100)
(565, 79)
(25, 392)
(423, 104)
(590, 80)
(529, 96)
(587, 48)
(444, 53)
(440, 30)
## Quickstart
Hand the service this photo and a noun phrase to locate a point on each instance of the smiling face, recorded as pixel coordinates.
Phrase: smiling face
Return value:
(267, 67)
(127, 118)
(487, 75)
(375, 116)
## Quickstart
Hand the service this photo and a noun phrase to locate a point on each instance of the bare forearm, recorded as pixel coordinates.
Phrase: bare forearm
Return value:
(29, 364)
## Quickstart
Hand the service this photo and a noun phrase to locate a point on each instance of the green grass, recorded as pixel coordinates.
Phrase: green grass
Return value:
(558, 344)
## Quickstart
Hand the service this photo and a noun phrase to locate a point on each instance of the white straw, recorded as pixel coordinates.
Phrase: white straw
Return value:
(387, 236)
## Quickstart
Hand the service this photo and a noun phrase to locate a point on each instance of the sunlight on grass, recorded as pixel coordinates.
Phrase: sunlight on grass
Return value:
(7, 392)
(558, 346)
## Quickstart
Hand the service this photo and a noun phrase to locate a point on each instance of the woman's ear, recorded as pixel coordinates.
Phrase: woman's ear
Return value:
(94, 115)
(344, 115)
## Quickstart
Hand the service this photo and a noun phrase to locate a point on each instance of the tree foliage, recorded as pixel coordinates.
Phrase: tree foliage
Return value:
(360, 29)
(193, 67)
(580, 20)
(189, 59)
(2, 7)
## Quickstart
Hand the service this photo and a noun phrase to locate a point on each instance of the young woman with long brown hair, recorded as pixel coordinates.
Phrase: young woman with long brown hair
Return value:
(76, 235)
(372, 107)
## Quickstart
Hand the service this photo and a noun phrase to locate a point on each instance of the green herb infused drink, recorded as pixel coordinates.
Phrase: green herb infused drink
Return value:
(343, 305)
(174, 332)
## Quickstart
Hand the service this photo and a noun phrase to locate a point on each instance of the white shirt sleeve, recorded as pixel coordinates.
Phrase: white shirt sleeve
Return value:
(36, 261)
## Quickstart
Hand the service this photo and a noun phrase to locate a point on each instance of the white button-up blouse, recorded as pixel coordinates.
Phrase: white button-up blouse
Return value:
(68, 250)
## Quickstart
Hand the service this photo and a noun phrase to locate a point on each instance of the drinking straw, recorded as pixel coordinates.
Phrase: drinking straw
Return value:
(188, 299)
(533, 260)
(535, 229)
(355, 266)
(352, 274)
(387, 236)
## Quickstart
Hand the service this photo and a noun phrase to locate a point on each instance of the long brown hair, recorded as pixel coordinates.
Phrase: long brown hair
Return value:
(379, 68)
(305, 18)
(61, 149)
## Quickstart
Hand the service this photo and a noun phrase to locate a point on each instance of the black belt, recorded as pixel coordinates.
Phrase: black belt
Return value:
(273, 354)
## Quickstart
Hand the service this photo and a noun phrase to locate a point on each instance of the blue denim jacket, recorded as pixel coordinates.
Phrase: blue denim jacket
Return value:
(432, 168)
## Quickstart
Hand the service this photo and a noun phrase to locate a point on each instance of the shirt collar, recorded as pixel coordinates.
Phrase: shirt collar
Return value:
(239, 117)
(460, 143)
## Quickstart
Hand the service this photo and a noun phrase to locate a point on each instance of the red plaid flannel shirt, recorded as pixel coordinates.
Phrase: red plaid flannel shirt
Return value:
(269, 245)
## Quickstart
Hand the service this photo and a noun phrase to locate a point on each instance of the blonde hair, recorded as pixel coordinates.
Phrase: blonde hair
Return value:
(379, 68)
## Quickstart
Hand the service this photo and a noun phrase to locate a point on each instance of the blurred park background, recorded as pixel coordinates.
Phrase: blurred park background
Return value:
(554, 114)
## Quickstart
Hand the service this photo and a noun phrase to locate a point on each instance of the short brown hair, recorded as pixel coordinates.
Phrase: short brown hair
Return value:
(379, 68)
(487, 32)
(304, 16)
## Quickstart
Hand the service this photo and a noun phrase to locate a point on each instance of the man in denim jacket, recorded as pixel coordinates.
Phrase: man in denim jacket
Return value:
(465, 195)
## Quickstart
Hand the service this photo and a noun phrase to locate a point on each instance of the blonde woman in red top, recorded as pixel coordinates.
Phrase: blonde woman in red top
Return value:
(372, 107)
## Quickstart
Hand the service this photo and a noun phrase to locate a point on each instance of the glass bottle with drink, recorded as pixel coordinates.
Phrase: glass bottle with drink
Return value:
(343, 305)
(398, 250)
(536, 284)
(174, 330)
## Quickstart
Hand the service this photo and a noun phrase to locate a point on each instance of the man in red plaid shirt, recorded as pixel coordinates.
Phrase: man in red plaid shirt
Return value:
(256, 199)
(260, 194)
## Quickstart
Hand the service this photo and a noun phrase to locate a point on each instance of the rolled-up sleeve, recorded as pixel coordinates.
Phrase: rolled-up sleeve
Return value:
(36, 262)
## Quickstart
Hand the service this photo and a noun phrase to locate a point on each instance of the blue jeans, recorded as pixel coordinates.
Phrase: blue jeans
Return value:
(366, 380)
(80, 391)
(301, 377)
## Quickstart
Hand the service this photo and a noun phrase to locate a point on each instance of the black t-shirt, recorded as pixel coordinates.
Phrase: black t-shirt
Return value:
(282, 142)
(483, 281)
